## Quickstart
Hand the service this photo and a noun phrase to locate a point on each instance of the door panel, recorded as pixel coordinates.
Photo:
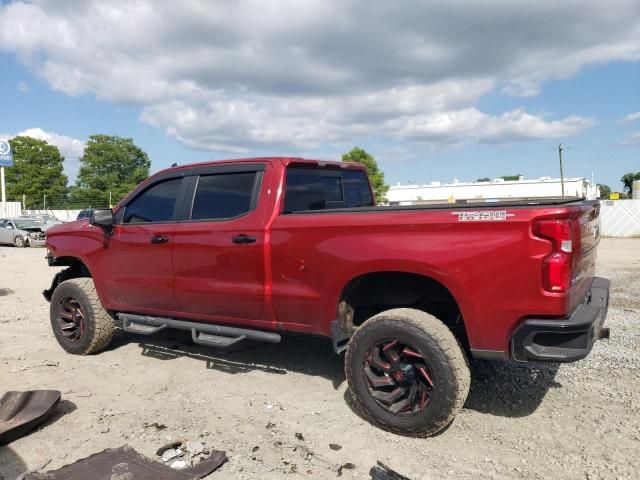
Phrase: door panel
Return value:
(216, 275)
(139, 273)
(137, 259)
(6, 234)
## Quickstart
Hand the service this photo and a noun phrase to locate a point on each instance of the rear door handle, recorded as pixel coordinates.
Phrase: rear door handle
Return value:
(159, 239)
(244, 238)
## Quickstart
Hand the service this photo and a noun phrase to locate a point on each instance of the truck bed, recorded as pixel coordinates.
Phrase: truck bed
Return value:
(454, 206)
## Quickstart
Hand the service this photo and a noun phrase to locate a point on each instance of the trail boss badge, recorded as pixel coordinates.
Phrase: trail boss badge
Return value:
(483, 216)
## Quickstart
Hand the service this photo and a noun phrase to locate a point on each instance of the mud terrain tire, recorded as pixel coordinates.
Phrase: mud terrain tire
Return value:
(439, 350)
(80, 323)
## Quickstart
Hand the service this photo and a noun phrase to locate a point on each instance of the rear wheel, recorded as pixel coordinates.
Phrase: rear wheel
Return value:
(19, 241)
(407, 372)
(79, 322)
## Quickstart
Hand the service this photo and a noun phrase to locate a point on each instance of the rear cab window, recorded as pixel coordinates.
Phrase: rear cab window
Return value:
(317, 188)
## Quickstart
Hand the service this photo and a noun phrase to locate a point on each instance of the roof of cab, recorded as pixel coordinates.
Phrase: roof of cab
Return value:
(284, 160)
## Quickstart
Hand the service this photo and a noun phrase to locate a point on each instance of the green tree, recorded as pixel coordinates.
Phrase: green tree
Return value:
(627, 180)
(483, 179)
(376, 176)
(605, 190)
(110, 165)
(511, 178)
(37, 171)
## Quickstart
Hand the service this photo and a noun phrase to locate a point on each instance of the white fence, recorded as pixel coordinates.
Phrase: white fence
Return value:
(14, 209)
(620, 218)
(64, 215)
(11, 209)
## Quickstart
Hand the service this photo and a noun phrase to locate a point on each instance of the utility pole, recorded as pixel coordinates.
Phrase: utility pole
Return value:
(4, 192)
(560, 148)
(6, 160)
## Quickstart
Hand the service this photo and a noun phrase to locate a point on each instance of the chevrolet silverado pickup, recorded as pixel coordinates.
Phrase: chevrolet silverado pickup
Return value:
(248, 249)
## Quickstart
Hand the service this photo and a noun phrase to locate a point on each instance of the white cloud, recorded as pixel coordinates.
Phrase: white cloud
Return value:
(630, 118)
(472, 124)
(253, 74)
(69, 147)
(632, 139)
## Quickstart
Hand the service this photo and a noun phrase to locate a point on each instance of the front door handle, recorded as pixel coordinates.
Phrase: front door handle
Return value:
(159, 239)
(244, 238)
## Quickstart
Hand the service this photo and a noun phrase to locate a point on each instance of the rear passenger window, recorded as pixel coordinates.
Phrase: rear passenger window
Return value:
(222, 196)
(156, 204)
(322, 189)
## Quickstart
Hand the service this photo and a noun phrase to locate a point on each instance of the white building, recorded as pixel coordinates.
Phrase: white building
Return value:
(498, 189)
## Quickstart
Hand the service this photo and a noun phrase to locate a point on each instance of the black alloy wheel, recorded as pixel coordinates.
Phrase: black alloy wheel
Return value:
(70, 319)
(398, 377)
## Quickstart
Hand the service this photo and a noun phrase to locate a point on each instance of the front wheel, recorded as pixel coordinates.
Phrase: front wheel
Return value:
(407, 373)
(19, 241)
(80, 323)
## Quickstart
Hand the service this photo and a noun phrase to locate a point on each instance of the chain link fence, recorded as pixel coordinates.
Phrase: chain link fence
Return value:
(63, 207)
(69, 201)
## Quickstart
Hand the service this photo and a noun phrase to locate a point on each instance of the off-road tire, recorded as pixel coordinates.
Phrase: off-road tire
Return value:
(446, 359)
(99, 325)
(19, 241)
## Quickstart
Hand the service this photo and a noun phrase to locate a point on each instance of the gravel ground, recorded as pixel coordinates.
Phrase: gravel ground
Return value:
(575, 421)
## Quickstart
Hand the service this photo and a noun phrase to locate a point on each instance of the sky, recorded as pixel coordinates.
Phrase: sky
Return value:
(436, 91)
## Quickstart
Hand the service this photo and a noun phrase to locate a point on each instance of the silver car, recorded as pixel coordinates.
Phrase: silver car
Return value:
(22, 232)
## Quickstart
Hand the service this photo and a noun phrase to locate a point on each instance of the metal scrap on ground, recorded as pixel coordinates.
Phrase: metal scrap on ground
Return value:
(125, 462)
(382, 472)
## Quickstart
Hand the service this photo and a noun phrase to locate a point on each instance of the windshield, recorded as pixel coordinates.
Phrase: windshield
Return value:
(27, 223)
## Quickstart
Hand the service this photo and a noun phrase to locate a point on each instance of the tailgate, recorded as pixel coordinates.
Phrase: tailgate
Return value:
(587, 236)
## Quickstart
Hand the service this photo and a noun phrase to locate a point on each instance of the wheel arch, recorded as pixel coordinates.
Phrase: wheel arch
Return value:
(372, 292)
(76, 268)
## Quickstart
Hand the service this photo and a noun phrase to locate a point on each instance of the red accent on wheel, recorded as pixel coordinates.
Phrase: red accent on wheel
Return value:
(423, 371)
(70, 319)
(398, 377)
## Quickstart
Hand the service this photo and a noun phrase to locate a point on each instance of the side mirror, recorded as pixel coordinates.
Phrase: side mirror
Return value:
(102, 217)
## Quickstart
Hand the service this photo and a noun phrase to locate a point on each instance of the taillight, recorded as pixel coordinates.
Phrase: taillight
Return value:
(556, 268)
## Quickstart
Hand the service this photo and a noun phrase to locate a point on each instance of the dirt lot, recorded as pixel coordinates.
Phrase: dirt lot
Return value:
(577, 421)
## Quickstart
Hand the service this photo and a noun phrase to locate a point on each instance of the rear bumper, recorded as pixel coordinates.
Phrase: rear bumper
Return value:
(568, 339)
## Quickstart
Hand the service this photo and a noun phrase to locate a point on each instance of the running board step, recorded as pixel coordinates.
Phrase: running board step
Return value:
(140, 328)
(218, 336)
(215, 341)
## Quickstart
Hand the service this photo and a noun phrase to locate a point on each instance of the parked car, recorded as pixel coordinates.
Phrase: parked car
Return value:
(84, 214)
(22, 232)
(247, 249)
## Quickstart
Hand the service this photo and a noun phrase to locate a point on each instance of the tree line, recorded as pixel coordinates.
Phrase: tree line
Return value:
(110, 167)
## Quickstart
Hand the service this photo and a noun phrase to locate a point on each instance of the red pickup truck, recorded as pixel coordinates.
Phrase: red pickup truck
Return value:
(247, 249)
